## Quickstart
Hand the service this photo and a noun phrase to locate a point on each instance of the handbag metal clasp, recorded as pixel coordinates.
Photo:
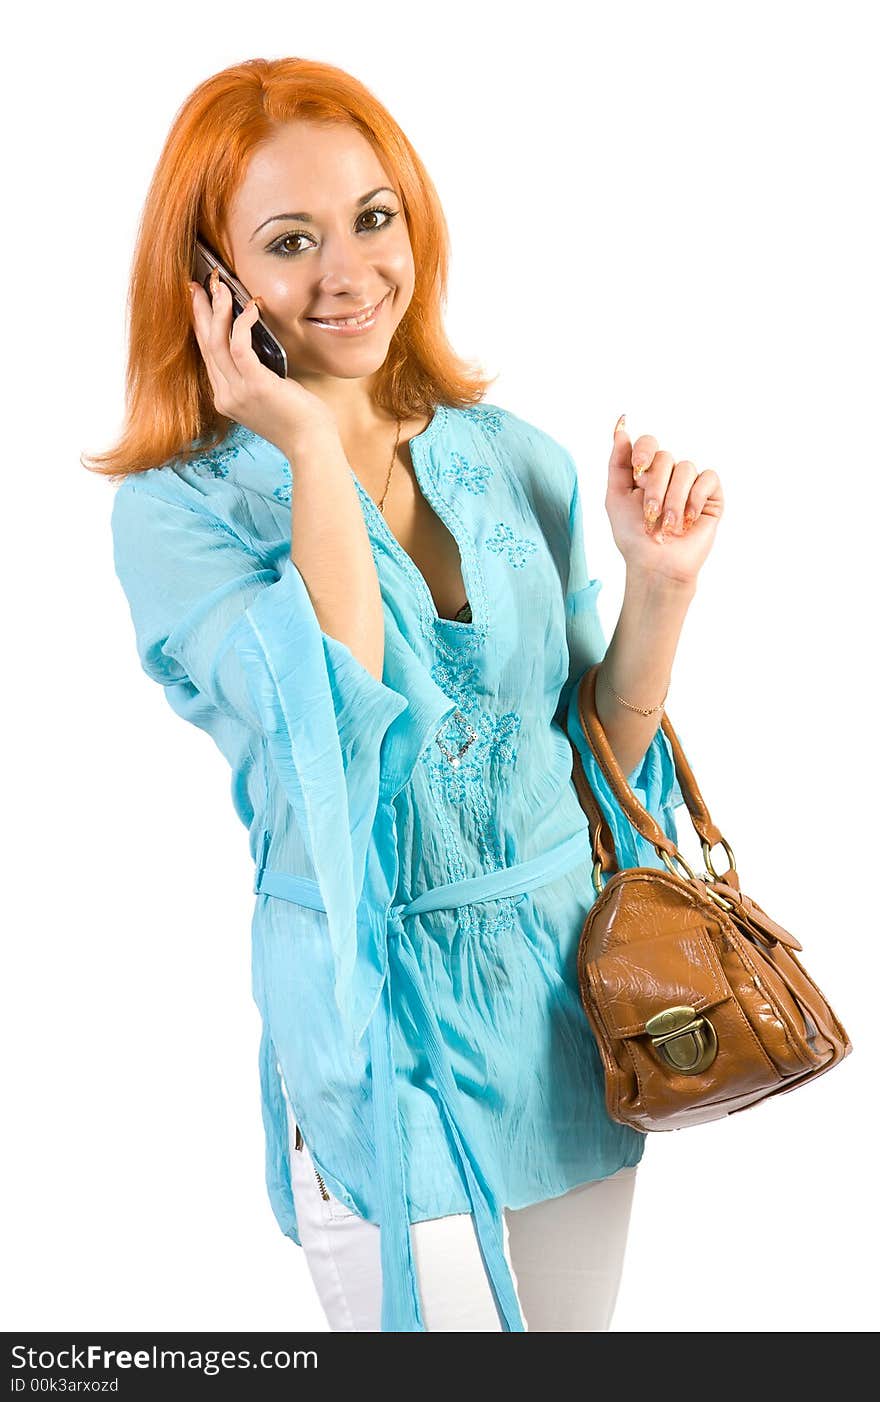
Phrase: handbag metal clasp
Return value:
(685, 1041)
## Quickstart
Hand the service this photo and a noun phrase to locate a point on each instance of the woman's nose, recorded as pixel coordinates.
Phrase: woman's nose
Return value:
(342, 265)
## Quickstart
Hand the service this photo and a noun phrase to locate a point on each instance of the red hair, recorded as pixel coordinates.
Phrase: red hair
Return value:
(168, 396)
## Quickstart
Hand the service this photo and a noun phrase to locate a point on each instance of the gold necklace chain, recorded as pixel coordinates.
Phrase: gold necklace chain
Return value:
(381, 502)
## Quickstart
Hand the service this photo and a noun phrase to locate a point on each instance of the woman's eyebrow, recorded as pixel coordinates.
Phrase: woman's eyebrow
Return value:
(307, 218)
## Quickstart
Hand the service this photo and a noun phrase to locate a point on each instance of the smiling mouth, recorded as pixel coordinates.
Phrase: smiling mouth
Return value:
(361, 319)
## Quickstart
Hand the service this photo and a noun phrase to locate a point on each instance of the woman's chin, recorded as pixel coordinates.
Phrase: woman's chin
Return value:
(345, 362)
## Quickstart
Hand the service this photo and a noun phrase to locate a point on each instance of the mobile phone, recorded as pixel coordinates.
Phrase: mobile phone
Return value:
(268, 349)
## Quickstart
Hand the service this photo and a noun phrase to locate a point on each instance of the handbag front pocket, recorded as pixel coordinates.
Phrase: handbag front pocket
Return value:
(673, 1030)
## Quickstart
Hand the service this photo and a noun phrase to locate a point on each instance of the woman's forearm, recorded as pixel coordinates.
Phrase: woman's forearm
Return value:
(638, 662)
(331, 548)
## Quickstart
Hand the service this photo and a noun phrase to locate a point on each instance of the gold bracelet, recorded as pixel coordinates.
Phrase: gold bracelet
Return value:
(641, 709)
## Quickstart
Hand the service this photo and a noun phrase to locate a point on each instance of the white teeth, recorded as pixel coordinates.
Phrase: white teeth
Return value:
(346, 321)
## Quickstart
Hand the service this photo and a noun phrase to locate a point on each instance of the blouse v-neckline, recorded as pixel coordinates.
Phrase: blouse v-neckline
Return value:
(467, 561)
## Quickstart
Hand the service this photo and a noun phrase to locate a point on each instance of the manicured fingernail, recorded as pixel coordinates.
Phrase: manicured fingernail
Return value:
(690, 517)
(621, 423)
(668, 521)
(652, 511)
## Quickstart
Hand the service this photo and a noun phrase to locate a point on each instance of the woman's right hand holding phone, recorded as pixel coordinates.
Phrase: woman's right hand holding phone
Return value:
(328, 523)
(280, 410)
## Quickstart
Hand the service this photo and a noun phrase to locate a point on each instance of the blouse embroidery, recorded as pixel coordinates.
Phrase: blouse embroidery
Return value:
(216, 462)
(470, 735)
(518, 549)
(480, 742)
(473, 476)
(489, 419)
(282, 492)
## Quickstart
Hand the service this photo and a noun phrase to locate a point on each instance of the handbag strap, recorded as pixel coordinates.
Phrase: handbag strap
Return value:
(643, 821)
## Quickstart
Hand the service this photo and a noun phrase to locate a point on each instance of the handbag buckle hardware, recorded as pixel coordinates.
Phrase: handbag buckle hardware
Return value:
(719, 900)
(686, 1042)
(708, 859)
(704, 878)
(597, 877)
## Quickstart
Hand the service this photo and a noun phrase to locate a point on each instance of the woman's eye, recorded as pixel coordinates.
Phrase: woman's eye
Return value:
(286, 252)
(380, 209)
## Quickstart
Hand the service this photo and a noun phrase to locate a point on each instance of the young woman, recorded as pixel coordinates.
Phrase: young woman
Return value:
(368, 585)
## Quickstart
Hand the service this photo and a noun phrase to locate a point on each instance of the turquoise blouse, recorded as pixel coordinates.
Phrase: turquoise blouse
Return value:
(422, 866)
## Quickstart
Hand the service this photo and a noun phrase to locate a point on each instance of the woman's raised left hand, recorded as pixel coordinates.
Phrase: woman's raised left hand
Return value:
(663, 512)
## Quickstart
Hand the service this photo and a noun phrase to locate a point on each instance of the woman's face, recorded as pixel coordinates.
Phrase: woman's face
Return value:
(306, 239)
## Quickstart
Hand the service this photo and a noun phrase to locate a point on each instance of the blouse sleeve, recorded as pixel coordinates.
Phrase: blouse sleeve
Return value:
(219, 629)
(653, 779)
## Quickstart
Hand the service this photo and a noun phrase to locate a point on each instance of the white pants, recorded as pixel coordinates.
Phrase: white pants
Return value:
(566, 1256)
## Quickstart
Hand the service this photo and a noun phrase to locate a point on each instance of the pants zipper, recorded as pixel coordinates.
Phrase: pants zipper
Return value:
(298, 1143)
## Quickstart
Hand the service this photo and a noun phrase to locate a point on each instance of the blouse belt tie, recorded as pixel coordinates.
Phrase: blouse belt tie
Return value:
(401, 1306)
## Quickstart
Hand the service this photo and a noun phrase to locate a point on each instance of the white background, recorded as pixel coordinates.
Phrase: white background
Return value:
(667, 213)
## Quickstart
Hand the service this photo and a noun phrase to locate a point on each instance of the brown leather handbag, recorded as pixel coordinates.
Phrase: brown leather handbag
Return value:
(697, 999)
